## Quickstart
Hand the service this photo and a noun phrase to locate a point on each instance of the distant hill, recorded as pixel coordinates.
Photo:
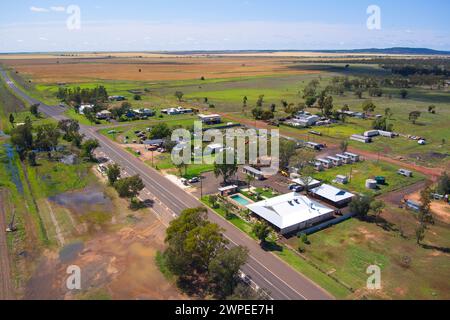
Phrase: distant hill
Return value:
(397, 50)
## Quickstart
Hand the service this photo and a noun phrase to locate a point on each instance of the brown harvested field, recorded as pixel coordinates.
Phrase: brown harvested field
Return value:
(56, 70)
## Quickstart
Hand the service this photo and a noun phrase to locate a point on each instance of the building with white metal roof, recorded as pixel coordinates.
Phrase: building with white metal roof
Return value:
(337, 197)
(291, 212)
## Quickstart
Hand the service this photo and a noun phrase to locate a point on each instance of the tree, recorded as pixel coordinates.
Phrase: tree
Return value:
(388, 113)
(129, 187)
(261, 231)
(443, 186)
(88, 148)
(288, 149)
(113, 172)
(70, 129)
(420, 233)
(344, 146)
(432, 109)
(425, 215)
(225, 170)
(160, 131)
(32, 159)
(244, 101)
(404, 93)
(267, 115)
(377, 208)
(260, 101)
(249, 179)
(223, 270)
(381, 124)
(368, 106)
(310, 101)
(47, 136)
(137, 97)
(359, 93)
(192, 244)
(22, 138)
(77, 140)
(326, 106)
(11, 119)
(302, 160)
(414, 115)
(34, 109)
(360, 206)
(179, 95)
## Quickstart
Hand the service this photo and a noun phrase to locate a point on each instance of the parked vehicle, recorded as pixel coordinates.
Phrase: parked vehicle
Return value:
(194, 180)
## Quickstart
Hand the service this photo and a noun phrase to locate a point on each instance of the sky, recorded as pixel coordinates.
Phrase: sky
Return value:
(180, 25)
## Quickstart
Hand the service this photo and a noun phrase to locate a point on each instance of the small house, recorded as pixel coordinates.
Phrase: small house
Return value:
(210, 118)
(360, 138)
(104, 115)
(341, 179)
(318, 166)
(336, 161)
(255, 173)
(354, 157)
(345, 159)
(387, 134)
(371, 133)
(326, 163)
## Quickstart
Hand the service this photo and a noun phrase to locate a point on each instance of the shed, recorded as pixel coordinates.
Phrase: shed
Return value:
(337, 197)
(341, 179)
(353, 156)
(228, 190)
(253, 172)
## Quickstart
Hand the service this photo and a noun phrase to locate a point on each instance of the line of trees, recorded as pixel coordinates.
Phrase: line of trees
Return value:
(83, 95)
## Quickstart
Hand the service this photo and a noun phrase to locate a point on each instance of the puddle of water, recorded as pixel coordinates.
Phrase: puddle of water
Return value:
(82, 202)
(12, 168)
(70, 252)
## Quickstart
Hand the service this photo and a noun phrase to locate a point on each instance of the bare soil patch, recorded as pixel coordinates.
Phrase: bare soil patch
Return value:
(439, 208)
(122, 264)
(149, 68)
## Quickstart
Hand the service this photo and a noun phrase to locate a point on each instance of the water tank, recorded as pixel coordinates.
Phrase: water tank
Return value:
(371, 184)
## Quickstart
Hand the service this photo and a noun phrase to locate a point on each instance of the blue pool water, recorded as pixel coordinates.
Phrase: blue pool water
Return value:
(239, 199)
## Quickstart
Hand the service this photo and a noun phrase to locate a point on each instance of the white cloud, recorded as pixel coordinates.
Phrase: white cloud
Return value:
(38, 9)
(58, 9)
(43, 39)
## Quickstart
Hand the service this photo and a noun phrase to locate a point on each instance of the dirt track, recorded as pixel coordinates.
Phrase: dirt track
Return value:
(6, 287)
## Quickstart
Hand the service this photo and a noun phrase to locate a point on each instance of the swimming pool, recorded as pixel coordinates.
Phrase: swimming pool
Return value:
(240, 199)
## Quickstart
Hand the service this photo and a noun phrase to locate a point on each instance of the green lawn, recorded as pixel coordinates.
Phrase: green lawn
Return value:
(362, 171)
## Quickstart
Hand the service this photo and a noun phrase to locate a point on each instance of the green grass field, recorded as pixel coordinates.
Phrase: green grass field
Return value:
(360, 172)
(349, 248)
(227, 96)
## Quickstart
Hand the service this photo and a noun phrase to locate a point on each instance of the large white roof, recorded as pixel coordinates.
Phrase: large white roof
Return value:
(300, 181)
(289, 210)
(332, 193)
